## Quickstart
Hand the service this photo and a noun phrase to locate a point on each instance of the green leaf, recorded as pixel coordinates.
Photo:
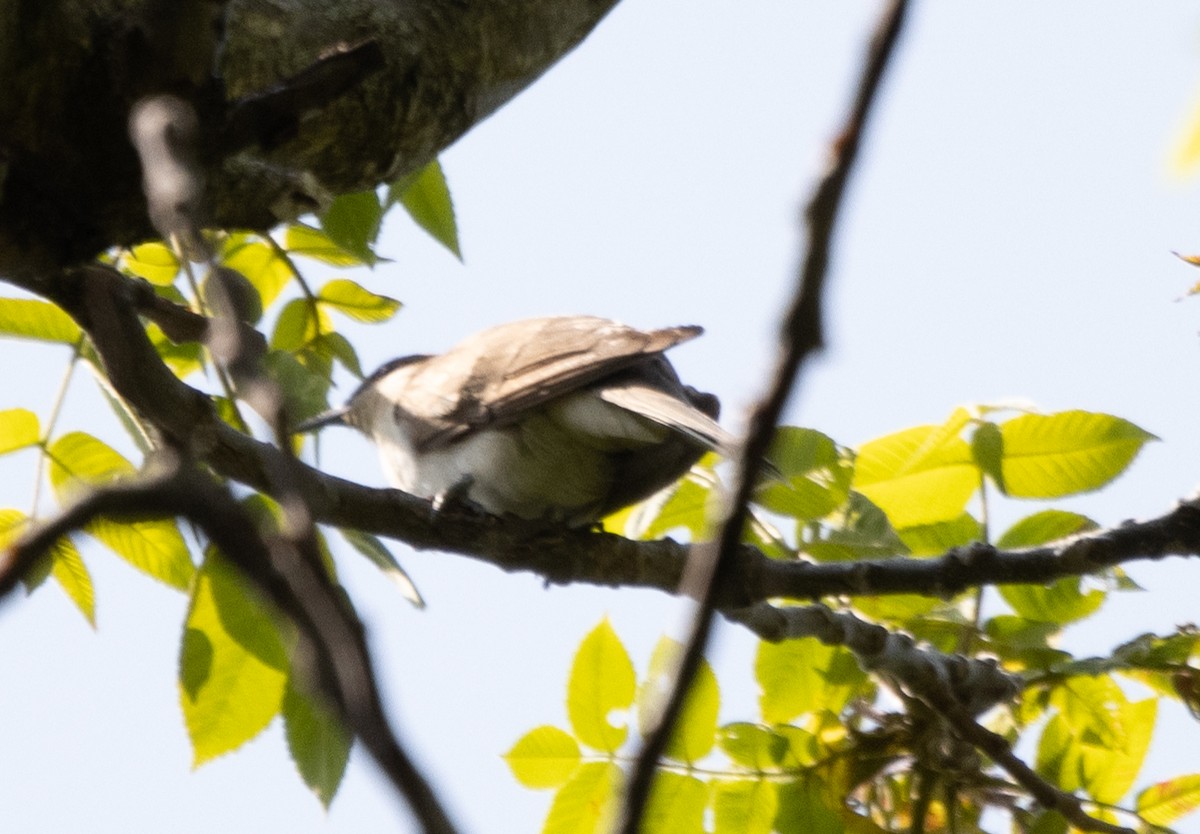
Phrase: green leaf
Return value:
(686, 507)
(1043, 527)
(298, 324)
(155, 547)
(753, 746)
(184, 359)
(260, 263)
(336, 346)
(29, 318)
(305, 393)
(1063, 601)
(1098, 739)
(317, 741)
(814, 475)
(602, 680)
(585, 804)
(1054, 455)
(1168, 801)
(545, 757)
(300, 239)
(19, 429)
(803, 808)
(153, 261)
(358, 303)
(375, 550)
(78, 460)
(352, 223)
(232, 663)
(920, 475)
(804, 676)
(696, 731)
(676, 805)
(987, 448)
(72, 575)
(860, 530)
(426, 198)
(935, 539)
(745, 806)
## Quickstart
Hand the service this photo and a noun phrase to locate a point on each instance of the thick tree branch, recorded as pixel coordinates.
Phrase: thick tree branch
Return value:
(299, 100)
(800, 337)
(104, 304)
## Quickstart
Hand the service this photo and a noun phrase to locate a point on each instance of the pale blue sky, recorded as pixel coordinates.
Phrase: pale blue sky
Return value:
(1008, 234)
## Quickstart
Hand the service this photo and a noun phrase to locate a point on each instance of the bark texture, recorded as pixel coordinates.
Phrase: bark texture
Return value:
(299, 100)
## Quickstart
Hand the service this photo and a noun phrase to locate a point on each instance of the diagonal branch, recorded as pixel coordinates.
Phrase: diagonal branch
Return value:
(800, 337)
(329, 632)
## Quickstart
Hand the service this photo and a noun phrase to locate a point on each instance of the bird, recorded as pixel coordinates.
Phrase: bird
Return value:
(561, 419)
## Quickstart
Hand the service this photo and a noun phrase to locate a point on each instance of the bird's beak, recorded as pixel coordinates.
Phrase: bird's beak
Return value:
(325, 418)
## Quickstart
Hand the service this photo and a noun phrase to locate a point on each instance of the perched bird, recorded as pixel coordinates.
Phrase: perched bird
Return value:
(564, 419)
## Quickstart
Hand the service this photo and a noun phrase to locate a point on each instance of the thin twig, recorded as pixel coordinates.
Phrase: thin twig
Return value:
(801, 335)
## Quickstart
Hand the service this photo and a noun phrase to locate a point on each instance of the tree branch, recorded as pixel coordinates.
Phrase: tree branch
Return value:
(299, 587)
(801, 335)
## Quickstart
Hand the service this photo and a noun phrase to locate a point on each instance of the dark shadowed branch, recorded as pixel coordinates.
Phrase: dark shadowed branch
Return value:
(800, 337)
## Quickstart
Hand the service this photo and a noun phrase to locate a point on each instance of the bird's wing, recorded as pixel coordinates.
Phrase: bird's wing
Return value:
(500, 373)
(670, 411)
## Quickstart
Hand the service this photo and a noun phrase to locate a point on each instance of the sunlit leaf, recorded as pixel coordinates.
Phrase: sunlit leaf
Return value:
(375, 550)
(676, 804)
(30, 318)
(300, 239)
(752, 745)
(298, 324)
(72, 575)
(426, 197)
(184, 358)
(1043, 527)
(232, 663)
(1098, 739)
(602, 681)
(1054, 455)
(19, 429)
(585, 804)
(686, 507)
(153, 261)
(696, 730)
(317, 741)
(804, 676)
(545, 757)
(935, 539)
(358, 303)
(79, 460)
(920, 475)
(1186, 156)
(745, 806)
(1171, 800)
(259, 263)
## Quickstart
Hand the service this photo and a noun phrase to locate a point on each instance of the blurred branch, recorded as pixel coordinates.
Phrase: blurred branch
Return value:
(801, 335)
(331, 636)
